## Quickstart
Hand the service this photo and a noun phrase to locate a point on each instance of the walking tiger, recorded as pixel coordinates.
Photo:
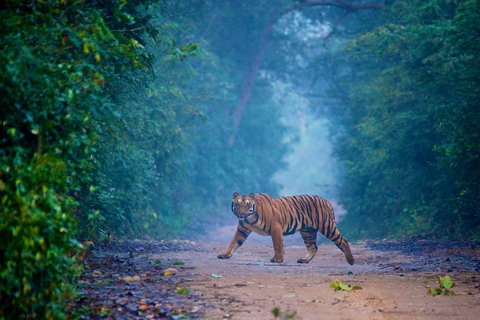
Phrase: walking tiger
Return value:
(282, 216)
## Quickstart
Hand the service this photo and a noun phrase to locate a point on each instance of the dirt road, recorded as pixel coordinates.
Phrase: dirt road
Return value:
(395, 277)
(126, 280)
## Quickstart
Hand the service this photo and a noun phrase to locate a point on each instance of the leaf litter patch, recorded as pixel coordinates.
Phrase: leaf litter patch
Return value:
(428, 255)
(121, 281)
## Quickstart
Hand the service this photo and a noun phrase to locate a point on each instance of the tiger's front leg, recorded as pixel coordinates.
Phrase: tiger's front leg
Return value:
(238, 239)
(277, 238)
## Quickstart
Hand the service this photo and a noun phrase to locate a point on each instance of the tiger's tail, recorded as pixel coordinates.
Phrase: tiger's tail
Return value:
(330, 231)
(342, 244)
(346, 250)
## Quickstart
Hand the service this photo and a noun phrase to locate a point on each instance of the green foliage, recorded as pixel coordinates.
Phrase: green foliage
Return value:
(338, 286)
(55, 58)
(182, 290)
(277, 313)
(36, 235)
(411, 148)
(445, 284)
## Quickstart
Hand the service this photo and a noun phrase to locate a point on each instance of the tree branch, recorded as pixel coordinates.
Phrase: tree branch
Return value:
(337, 23)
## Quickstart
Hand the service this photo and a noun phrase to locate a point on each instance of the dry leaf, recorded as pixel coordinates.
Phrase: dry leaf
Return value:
(170, 271)
(132, 279)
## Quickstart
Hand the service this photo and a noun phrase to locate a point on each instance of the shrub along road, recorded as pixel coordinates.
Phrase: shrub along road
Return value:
(183, 279)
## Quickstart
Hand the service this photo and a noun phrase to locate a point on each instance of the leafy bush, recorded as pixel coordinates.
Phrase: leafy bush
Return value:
(55, 58)
(36, 232)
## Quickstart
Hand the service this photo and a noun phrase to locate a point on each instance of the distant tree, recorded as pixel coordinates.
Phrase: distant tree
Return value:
(411, 145)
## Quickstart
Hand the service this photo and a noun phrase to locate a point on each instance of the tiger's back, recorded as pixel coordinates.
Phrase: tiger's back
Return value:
(304, 212)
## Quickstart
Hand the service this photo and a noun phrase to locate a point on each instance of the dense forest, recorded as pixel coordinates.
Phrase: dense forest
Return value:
(141, 118)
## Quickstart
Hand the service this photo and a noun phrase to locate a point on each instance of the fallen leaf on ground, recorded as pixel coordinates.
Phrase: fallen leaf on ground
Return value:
(183, 291)
(338, 286)
(132, 279)
(170, 271)
(178, 263)
(445, 282)
(434, 291)
(447, 292)
(217, 276)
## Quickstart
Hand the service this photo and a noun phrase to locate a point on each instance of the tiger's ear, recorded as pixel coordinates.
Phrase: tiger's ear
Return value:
(235, 194)
(251, 195)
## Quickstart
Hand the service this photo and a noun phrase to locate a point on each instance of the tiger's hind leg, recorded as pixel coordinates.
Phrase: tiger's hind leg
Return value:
(310, 238)
(331, 232)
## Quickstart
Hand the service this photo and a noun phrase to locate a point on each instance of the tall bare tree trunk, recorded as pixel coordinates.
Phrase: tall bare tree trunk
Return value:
(249, 77)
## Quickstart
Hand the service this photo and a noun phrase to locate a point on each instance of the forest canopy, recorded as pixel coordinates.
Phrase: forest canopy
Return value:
(141, 118)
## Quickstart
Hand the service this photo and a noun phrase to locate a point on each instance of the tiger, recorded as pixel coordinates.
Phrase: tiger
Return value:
(278, 217)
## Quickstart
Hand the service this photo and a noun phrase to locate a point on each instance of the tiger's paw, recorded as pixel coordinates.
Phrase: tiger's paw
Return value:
(224, 256)
(303, 261)
(276, 260)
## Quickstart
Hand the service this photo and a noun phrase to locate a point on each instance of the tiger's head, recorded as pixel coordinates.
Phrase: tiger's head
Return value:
(244, 208)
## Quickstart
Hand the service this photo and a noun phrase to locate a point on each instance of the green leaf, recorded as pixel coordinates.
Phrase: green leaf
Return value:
(445, 282)
(158, 261)
(183, 291)
(338, 286)
(178, 263)
(447, 292)
(434, 291)
(217, 276)
(276, 312)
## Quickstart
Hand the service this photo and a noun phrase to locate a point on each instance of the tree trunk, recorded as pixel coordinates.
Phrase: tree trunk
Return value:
(249, 77)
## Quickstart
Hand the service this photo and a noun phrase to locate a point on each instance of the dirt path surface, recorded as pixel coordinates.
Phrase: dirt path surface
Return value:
(395, 277)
